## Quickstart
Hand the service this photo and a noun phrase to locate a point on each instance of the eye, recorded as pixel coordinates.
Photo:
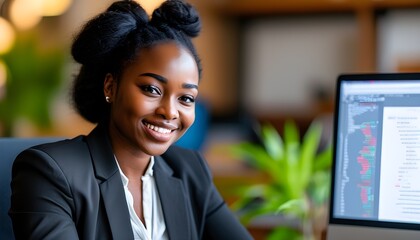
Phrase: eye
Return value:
(151, 89)
(187, 99)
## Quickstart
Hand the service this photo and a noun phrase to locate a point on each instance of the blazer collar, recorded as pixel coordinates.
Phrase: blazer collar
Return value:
(101, 152)
(110, 183)
(173, 199)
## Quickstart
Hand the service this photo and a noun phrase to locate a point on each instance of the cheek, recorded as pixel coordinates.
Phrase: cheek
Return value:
(189, 118)
(135, 105)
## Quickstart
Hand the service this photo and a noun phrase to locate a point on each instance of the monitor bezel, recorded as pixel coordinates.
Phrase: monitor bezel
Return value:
(362, 77)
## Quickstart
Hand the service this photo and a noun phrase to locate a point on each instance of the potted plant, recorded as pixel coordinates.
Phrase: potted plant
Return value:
(298, 174)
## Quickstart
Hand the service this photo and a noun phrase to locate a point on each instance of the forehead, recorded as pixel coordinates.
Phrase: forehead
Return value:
(162, 53)
(168, 59)
(165, 57)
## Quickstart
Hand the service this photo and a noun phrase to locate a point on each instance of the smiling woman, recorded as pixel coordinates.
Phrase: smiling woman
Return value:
(138, 81)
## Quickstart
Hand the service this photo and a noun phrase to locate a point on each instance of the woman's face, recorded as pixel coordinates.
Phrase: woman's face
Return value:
(152, 105)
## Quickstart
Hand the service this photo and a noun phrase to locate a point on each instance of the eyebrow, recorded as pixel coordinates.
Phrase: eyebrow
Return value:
(165, 80)
(155, 76)
(189, 86)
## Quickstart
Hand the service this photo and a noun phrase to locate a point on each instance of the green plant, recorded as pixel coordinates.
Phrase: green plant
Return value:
(298, 173)
(34, 76)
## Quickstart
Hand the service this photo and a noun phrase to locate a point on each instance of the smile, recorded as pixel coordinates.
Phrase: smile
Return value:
(158, 129)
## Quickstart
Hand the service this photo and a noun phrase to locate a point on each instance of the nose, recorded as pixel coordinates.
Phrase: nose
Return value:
(168, 109)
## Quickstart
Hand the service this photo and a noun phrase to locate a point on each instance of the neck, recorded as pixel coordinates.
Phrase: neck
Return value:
(132, 166)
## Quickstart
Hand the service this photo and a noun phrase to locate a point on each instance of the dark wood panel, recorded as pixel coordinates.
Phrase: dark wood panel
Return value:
(252, 7)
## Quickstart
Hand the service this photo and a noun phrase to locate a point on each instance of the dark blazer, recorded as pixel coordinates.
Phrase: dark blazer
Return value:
(72, 189)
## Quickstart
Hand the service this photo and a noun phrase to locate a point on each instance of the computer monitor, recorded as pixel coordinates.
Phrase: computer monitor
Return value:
(375, 191)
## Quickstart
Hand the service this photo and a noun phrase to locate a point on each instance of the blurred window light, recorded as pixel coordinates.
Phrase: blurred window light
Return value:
(25, 14)
(150, 5)
(54, 7)
(7, 36)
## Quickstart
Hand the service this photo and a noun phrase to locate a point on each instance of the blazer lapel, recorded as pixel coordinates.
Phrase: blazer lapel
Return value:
(110, 184)
(173, 200)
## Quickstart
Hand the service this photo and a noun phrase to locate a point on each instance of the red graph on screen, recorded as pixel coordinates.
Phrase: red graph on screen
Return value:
(366, 159)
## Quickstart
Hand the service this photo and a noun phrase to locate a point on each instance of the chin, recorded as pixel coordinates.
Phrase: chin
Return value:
(158, 149)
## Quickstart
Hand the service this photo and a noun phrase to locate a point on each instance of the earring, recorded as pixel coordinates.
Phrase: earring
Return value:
(107, 99)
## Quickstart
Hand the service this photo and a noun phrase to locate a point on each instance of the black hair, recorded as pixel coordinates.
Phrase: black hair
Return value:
(111, 40)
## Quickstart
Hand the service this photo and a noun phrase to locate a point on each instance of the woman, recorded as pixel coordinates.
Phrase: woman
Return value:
(138, 80)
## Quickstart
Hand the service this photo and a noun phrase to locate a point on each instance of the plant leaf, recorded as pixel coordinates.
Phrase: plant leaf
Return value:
(291, 132)
(295, 207)
(260, 159)
(254, 153)
(319, 189)
(249, 191)
(291, 138)
(308, 151)
(285, 233)
(272, 142)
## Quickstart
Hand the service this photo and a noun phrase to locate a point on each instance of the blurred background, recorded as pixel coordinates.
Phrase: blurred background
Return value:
(264, 62)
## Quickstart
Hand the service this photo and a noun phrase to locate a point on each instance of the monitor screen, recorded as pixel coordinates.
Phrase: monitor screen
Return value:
(376, 167)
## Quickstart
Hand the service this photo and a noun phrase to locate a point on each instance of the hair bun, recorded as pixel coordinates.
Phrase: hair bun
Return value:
(101, 35)
(179, 15)
(132, 8)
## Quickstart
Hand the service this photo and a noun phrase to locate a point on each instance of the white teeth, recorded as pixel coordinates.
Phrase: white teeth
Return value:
(158, 129)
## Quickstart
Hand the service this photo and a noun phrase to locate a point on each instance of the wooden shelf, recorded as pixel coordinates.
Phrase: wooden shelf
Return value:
(267, 7)
(365, 12)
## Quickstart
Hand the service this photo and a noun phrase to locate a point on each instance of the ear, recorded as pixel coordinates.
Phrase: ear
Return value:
(110, 87)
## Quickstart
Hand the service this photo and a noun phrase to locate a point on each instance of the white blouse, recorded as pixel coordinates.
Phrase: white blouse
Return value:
(152, 210)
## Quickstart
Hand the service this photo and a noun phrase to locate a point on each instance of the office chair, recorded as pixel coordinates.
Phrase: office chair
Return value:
(9, 149)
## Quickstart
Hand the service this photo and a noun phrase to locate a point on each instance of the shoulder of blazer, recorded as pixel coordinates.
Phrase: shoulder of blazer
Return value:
(71, 157)
(186, 163)
(70, 150)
